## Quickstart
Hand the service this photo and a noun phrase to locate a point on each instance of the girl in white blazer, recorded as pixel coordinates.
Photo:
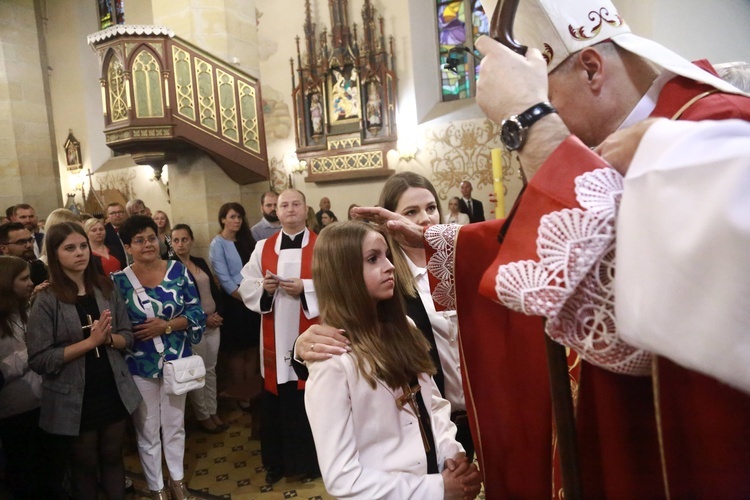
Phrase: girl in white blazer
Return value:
(370, 440)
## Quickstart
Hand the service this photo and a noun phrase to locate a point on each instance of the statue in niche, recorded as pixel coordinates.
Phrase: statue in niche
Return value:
(373, 107)
(316, 114)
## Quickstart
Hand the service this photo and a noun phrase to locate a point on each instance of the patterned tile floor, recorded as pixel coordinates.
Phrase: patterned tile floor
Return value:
(228, 465)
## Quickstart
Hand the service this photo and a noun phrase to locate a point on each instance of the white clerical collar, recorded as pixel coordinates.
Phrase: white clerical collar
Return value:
(647, 104)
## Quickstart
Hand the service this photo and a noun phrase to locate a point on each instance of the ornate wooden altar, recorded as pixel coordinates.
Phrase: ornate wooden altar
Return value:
(344, 97)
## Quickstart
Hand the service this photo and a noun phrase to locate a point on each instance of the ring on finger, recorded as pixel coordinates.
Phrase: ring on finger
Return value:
(312, 347)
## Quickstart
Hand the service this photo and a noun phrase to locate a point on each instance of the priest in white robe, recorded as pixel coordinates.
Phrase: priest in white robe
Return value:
(277, 283)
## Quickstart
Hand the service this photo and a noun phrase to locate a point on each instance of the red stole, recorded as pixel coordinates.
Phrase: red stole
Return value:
(270, 261)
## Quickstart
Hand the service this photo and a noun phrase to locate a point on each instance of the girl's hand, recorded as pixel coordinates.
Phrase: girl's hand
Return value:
(151, 328)
(101, 329)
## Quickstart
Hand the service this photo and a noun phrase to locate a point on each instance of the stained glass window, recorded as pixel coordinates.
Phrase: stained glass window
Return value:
(111, 12)
(460, 23)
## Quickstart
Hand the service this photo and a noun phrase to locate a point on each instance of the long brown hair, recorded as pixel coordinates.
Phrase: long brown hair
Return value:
(385, 345)
(60, 284)
(244, 237)
(393, 188)
(10, 303)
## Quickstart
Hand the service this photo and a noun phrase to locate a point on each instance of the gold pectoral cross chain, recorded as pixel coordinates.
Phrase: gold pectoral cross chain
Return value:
(410, 397)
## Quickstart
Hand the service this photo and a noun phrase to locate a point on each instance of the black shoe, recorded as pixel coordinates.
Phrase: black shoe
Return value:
(274, 475)
(216, 430)
(311, 476)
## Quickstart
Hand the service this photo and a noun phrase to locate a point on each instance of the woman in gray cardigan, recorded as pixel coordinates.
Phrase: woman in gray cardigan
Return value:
(77, 331)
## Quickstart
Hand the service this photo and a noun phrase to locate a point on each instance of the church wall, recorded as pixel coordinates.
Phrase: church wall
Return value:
(451, 141)
(27, 165)
(714, 30)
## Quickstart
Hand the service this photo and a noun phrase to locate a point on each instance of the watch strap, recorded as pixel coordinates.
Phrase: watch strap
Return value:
(535, 113)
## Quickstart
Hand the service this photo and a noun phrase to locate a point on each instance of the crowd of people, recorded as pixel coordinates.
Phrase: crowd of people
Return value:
(115, 298)
(386, 350)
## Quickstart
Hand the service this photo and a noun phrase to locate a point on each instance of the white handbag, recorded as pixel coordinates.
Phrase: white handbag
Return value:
(184, 374)
(180, 375)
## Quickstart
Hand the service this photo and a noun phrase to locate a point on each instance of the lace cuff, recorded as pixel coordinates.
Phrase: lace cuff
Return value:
(441, 242)
(572, 284)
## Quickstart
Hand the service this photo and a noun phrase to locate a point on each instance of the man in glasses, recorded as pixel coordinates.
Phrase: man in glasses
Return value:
(26, 215)
(17, 241)
(116, 215)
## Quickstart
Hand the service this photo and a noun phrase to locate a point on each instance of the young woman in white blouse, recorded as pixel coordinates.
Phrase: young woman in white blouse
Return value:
(454, 216)
(381, 428)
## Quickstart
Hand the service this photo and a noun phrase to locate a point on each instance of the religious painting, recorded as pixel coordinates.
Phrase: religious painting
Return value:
(343, 96)
(72, 153)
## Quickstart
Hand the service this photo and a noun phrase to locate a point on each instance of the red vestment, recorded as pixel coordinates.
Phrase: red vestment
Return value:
(703, 423)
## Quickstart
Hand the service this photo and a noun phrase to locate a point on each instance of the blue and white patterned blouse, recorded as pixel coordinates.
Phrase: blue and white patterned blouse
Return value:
(175, 296)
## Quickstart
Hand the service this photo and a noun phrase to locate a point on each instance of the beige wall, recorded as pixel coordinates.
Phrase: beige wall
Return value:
(27, 165)
(228, 28)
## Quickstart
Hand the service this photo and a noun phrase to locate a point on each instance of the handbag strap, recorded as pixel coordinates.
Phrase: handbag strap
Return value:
(145, 301)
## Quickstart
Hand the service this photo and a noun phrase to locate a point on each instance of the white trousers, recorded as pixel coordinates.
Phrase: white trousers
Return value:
(165, 412)
(204, 400)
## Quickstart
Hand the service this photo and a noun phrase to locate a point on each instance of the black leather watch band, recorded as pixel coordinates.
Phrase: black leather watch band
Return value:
(515, 128)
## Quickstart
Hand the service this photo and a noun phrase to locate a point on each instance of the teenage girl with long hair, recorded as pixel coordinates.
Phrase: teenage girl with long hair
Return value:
(30, 453)
(78, 330)
(381, 428)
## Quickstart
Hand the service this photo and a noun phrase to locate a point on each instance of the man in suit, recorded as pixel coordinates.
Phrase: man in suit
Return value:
(468, 205)
(116, 215)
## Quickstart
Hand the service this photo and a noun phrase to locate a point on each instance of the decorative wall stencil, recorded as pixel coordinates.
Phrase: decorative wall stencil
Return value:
(276, 113)
(461, 151)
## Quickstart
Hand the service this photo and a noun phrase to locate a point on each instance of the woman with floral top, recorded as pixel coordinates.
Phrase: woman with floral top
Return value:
(178, 322)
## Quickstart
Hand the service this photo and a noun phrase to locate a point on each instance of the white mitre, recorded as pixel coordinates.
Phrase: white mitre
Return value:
(559, 28)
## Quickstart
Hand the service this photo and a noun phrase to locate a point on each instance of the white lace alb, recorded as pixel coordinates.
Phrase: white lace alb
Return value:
(572, 283)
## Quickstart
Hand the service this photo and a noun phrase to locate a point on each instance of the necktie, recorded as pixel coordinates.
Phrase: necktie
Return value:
(471, 209)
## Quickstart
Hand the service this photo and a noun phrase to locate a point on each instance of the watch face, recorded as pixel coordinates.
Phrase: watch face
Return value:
(512, 134)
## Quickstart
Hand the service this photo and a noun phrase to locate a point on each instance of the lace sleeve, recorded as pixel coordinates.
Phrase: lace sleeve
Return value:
(441, 240)
(572, 284)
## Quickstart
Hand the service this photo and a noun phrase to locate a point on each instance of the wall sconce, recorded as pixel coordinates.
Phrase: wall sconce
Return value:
(301, 167)
(294, 165)
(407, 151)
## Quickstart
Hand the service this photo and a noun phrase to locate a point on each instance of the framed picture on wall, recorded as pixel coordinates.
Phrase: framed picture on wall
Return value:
(73, 153)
